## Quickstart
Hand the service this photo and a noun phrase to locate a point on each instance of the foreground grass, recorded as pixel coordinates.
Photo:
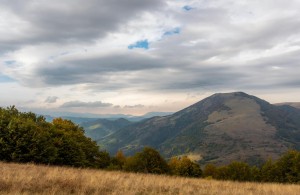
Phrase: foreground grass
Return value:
(33, 179)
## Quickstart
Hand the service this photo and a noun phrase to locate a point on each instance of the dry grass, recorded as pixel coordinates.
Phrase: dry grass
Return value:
(32, 179)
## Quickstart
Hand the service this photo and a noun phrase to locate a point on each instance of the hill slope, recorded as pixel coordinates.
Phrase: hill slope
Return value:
(293, 104)
(218, 129)
(103, 127)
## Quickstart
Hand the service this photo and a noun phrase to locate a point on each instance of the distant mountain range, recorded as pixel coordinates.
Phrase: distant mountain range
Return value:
(101, 128)
(77, 118)
(218, 129)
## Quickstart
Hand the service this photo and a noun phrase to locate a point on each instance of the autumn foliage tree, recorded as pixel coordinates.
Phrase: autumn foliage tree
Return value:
(210, 170)
(183, 166)
(117, 162)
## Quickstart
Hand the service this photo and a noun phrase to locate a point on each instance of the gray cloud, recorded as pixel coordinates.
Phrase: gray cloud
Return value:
(71, 21)
(134, 106)
(95, 69)
(51, 99)
(238, 45)
(76, 104)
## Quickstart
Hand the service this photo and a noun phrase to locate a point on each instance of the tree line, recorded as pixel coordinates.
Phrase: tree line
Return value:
(26, 137)
(284, 170)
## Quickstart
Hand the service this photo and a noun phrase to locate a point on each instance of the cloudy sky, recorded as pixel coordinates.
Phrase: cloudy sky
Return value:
(133, 56)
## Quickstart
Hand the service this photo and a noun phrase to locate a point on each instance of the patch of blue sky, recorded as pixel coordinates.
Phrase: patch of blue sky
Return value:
(172, 32)
(5, 79)
(9, 62)
(187, 8)
(140, 44)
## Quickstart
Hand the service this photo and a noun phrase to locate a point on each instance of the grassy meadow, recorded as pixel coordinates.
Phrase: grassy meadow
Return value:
(38, 179)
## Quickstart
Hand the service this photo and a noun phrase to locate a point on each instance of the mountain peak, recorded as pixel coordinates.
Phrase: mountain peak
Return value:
(231, 94)
(221, 98)
(216, 101)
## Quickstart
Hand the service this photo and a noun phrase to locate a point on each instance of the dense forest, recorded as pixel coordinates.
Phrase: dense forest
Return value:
(26, 137)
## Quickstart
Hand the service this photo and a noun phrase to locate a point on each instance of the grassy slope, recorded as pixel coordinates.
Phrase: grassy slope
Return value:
(32, 179)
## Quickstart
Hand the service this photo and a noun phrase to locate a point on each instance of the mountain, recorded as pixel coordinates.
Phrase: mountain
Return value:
(153, 114)
(97, 128)
(293, 104)
(218, 129)
(78, 119)
(100, 128)
(81, 119)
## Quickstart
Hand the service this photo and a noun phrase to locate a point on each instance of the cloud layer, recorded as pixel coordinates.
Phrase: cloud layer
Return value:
(75, 104)
(71, 54)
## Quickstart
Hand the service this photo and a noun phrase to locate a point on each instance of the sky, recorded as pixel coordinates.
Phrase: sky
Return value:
(134, 57)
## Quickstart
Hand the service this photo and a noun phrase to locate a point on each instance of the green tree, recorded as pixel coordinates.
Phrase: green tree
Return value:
(255, 174)
(147, 161)
(74, 148)
(239, 171)
(288, 167)
(222, 173)
(26, 137)
(268, 171)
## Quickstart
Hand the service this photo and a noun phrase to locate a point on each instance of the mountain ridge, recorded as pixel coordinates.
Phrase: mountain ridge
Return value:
(293, 104)
(217, 129)
(101, 128)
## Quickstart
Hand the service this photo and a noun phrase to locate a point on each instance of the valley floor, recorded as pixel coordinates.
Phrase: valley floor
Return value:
(36, 179)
